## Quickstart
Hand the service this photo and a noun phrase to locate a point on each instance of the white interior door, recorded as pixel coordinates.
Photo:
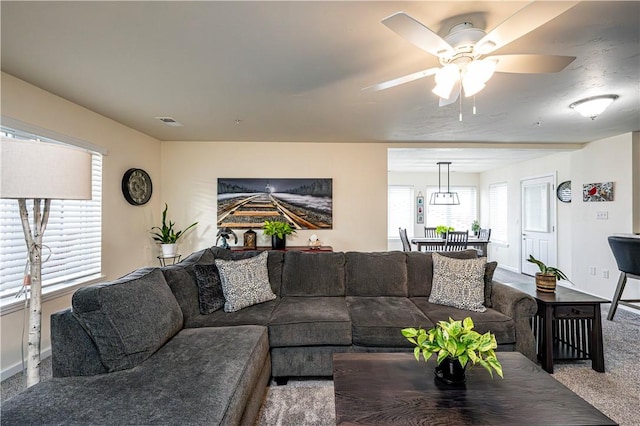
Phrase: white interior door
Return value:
(538, 222)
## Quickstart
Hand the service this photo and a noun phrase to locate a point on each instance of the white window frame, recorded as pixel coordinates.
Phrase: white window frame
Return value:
(62, 279)
(499, 212)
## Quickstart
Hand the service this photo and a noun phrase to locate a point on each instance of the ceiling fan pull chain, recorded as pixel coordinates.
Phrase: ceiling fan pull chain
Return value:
(474, 104)
(460, 107)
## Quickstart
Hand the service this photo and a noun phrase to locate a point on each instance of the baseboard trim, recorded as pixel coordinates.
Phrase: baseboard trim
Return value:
(17, 368)
(509, 268)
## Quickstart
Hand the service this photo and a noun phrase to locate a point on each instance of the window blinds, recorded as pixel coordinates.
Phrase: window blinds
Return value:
(498, 211)
(460, 216)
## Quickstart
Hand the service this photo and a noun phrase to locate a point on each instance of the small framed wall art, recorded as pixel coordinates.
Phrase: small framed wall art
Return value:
(602, 191)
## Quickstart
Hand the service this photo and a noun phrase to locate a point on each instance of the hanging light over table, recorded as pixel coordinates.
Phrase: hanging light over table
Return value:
(441, 198)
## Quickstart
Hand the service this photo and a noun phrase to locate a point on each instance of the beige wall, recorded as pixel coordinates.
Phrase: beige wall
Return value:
(190, 171)
(125, 239)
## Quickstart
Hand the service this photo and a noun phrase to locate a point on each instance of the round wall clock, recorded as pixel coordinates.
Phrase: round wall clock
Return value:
(136, 186)
(564, 192)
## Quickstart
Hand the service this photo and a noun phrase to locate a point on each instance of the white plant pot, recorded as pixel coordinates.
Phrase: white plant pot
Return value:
(168, 250)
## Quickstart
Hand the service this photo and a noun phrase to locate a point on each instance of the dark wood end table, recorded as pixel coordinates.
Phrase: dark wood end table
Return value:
(567, 326)
(394, 389)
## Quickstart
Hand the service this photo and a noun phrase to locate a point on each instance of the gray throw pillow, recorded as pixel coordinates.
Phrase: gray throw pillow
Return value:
(210, 295)
(245, 282)
(489, 269)
(458, 283)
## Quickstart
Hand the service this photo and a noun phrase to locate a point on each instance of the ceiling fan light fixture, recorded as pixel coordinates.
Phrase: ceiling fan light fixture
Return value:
(476, 75)
(446, 78)
(593, 106)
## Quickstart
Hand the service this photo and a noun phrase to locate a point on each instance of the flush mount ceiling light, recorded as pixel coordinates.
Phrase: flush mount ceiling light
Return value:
(441, 198)
(593, 106)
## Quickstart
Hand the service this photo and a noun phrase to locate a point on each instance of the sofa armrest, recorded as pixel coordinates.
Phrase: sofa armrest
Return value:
(521, 307)
(73, 352)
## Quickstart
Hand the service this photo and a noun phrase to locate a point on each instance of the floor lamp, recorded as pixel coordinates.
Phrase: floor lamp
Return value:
(41, 172)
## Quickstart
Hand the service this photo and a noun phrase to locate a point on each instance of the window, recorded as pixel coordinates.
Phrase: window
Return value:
(460, 217)
(400, 210)
(72, 239)
(498, 212)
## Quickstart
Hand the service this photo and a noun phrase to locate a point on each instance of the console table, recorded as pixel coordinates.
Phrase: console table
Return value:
(289, 248)
(567, 326)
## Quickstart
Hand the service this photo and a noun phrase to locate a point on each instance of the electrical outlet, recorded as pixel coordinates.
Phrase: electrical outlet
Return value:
(602, 215)
(592, 270)
(605, 273)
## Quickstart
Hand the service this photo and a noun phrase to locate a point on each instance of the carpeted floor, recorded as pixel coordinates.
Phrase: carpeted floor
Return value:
(615, 392)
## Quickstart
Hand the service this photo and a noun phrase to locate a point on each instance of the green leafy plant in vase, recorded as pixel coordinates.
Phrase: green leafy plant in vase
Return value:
(475, 227)
(457, 346)
(548, 276)
(278, 231)
(167, 236)
(442, 230)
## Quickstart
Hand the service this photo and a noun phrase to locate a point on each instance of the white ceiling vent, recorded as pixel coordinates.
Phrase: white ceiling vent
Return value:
(169, 121)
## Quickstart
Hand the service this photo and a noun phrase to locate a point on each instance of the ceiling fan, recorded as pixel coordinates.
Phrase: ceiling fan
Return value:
(464, 66)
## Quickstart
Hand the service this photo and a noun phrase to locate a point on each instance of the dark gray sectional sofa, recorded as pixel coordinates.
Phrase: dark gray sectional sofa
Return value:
(138, 350)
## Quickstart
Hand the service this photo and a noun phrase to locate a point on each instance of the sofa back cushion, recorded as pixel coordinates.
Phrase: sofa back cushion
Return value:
(376, 274)
(201, 257)
(129, 318)
(313, 274)
(420, 270)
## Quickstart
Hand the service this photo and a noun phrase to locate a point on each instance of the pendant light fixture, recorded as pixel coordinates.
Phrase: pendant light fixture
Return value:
(441, 198)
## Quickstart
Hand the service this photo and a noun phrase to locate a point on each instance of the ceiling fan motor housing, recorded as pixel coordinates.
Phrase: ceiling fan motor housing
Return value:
(462, 37)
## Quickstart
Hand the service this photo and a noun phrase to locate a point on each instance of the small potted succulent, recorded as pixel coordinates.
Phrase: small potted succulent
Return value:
(456, 345)
(442, 230)
(548, 276)
(167, 236)
(278, 231)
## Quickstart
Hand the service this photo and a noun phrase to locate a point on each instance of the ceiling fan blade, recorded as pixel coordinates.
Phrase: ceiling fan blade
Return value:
(402, 80)
(525, 20)
(531, 64)
(416, 33)
(455, 93)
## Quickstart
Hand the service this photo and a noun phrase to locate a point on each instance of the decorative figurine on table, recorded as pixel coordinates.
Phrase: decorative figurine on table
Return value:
(314, 242)
(226, 233)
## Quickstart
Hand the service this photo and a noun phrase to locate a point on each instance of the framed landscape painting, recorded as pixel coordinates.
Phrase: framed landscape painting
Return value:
(305, 203)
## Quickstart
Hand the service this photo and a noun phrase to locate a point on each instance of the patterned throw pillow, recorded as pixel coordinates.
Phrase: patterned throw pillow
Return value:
(210, 293)
(245, 282)
(458, 283)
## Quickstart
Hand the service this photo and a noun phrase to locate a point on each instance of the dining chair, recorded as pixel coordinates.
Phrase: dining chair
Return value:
(484, 234)
(406, 246)
(430, 232)
(626, 251)
(456, 241)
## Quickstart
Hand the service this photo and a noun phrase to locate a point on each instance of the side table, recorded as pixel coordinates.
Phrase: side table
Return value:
(174, 259)
(567, 326)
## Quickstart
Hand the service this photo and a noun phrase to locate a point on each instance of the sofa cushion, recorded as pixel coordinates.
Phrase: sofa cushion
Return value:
(245, 282)
(376, 274)
(274, 263)
(313, 274)
(420, 269)
(184, 383)
(129, 318)
(491, 320)
(308, 321)
(210, 294)
(200, 257)
(458, 282)
(377, 321)
(182, 281)
(259, 314)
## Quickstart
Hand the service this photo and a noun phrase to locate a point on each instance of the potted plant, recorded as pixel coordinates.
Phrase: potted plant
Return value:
(456, 344)
(278, 231)
(548, 276)
(475, 227)
(442, 230)
(167, 236)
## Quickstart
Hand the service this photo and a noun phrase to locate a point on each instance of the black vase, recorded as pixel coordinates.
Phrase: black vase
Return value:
(278, 243)
(451, 372)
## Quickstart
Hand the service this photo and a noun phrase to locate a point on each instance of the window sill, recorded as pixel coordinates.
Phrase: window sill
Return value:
(10, 304)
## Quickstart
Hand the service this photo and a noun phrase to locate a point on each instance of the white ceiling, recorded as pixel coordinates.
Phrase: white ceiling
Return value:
(293, 70)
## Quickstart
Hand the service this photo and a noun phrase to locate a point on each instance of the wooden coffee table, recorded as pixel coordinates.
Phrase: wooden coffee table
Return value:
(395, 389)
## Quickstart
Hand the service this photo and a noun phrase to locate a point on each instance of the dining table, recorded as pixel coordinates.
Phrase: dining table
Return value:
(437, 244)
